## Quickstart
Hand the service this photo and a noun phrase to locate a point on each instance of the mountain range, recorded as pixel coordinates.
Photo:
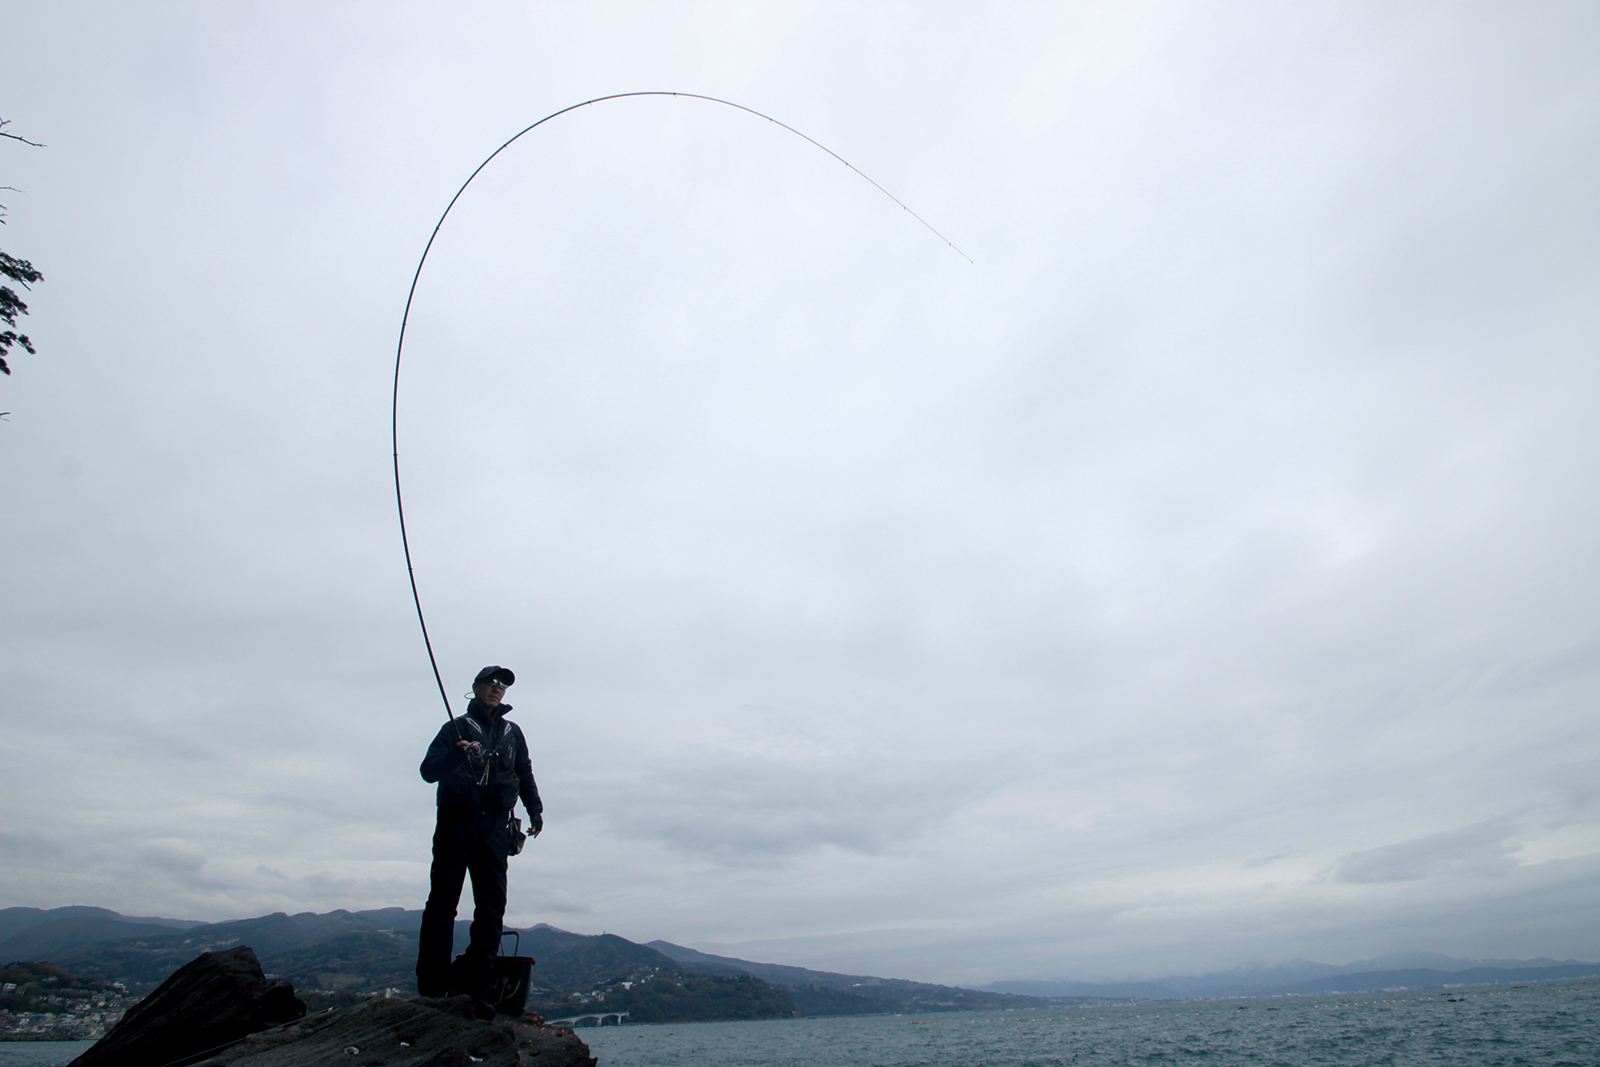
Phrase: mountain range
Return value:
(369, 951)
(1414, 970)
(83, 921)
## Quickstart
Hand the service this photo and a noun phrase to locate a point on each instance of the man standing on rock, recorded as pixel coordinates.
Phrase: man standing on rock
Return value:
(480, 761)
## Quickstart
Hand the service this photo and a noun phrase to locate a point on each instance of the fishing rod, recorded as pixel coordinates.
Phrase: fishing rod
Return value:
(400, 347)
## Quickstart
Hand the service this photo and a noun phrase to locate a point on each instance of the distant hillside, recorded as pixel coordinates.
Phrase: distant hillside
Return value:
(1068, 989)
(369, 951)
(830, 993)
(574, 963)
(142, 955)
(145, 960)
(50, 939)
(355, 953)
(1306, 977)
(43, 1002)
(15, 920)
(343, 954)
(1430, 979)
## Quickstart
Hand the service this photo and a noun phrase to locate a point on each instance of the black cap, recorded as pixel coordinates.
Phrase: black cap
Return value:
(502, 675)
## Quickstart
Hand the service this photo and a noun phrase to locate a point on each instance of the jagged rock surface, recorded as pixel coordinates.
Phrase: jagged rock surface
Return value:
(407, 1033)
(211, 1000)
(216, 1011)
(539, 1045)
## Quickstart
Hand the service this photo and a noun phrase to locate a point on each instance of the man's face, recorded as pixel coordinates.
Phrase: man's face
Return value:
(489, 693)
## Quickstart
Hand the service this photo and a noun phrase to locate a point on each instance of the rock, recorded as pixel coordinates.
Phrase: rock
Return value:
(407, 1033)
(394, 1033)
(539, 1045)
(221, 1011)
(210, 1001)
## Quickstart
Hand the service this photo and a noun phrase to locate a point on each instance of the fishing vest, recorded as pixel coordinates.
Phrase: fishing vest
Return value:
(494, 766)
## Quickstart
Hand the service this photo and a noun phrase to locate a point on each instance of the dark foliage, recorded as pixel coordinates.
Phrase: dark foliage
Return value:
(363, 960)
(576, 962)
(678, 998)
(11, 305)
(45, 989)
(299, 947)
(38, 980)
(50, 939)
(41, 971)
(820, 1000)
(701, 998)
(23, 273)
(892, 994)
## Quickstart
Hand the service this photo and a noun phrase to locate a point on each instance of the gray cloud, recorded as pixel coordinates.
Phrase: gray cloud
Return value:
(1472, 850)
(174, 854)
(1206, 574)
(28, 848)
(755, 809)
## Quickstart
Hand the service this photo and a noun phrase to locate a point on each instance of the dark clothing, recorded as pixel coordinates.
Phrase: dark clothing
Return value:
(472, 835)
(510, 771)
(463, 844)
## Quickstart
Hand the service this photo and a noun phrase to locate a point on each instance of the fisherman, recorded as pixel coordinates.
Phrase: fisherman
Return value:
(480, 761)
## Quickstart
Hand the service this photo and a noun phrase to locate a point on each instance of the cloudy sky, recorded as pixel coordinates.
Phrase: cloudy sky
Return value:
(1204, 574)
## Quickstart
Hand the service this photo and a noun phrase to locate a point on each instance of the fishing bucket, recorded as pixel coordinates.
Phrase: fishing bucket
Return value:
(509, 979)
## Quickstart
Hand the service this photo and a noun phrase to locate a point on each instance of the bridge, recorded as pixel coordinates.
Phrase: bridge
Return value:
(614, 1018)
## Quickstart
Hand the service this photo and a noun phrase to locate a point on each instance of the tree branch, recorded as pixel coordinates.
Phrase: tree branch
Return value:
(6, 122)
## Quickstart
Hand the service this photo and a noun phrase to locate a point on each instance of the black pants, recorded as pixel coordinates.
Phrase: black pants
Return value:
(462, 844)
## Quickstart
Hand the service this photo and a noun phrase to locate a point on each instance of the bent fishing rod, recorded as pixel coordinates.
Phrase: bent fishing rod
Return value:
(400, 347)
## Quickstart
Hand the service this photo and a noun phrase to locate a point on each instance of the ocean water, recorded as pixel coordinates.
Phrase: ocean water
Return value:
(1533, 1026)
(1542, 1024)
(41, 1053)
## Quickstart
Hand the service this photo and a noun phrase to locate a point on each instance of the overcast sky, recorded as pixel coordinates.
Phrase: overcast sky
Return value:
(1205, 574)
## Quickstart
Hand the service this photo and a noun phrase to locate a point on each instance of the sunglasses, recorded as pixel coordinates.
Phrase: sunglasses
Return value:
(497, 683)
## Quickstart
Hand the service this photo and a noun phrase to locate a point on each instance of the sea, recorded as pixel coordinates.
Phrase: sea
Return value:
(1540, 1024)
(1556, 1023)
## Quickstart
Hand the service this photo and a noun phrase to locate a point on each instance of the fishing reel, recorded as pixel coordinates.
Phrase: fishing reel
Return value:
(480, 760)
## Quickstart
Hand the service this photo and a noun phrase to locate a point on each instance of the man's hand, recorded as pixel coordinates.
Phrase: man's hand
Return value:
(535, 823)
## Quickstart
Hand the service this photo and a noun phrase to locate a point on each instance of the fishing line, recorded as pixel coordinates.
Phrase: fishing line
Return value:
(394, 418)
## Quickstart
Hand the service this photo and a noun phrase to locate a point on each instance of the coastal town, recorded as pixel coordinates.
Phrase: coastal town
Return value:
(42, 1002)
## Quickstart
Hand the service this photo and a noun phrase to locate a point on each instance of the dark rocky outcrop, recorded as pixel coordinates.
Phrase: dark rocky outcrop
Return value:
(539, 1045)
(220, 1011)
(408, 1033)
(210, 1001)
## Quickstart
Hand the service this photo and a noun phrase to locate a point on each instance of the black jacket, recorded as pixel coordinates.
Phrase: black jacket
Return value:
(504, 758)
